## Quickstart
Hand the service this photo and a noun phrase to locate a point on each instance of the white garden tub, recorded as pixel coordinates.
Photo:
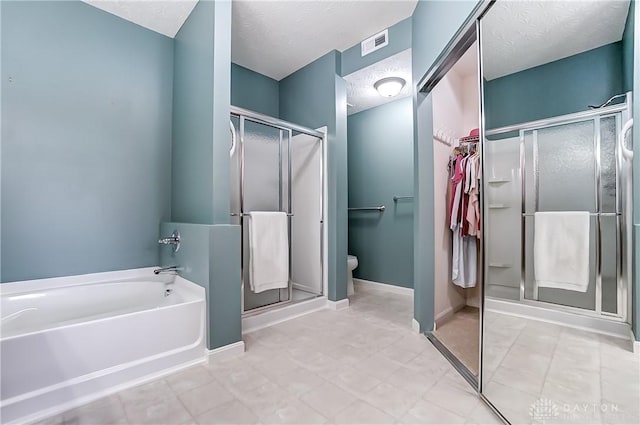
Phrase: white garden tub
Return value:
(66, 341)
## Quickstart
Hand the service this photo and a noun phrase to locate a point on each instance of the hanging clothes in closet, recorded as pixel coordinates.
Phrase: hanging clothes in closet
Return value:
(464, 217)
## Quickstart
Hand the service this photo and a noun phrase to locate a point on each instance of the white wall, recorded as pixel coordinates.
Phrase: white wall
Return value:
(306, 194)
(470, 119)
(470, 103)
(448, 102)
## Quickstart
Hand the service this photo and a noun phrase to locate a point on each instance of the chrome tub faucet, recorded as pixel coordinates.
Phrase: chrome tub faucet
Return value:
(173, 240)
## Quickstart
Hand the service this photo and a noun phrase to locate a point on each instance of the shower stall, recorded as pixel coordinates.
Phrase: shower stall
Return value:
(279, 166)
(576, 162)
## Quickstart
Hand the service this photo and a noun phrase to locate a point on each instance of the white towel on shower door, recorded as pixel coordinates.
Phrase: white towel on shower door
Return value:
(268, 251)
(561, 250)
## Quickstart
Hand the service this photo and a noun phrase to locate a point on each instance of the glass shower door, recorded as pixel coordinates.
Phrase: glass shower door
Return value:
(264, 188)
(571, 167)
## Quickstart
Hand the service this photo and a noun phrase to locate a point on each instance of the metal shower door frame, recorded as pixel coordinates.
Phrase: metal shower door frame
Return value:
(618, 111)
(288, 128)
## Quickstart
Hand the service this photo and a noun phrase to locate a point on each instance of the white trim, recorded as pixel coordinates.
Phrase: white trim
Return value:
(563, 318)
(415, 326)
(80, 401)
(386, 287)
(338, 305)
(325, 212)
(226, 351)
(282, 314)
(635, 344)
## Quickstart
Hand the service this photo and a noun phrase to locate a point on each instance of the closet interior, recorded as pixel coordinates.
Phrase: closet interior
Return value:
(457, 183)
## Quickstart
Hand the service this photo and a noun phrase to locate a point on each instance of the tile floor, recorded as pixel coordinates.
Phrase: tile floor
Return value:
(584, 378)
(363, 365)
(461, 335)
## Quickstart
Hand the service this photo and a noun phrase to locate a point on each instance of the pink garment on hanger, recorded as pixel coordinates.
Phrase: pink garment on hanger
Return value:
(473, 211)
(456, 192)
(464, 199)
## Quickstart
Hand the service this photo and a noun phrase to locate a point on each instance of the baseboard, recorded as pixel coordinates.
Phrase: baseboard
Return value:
(415, 326)
(282, 314)
(635, 345)
(338, 305)
(445, 315)
(384, 287)
(226, 351)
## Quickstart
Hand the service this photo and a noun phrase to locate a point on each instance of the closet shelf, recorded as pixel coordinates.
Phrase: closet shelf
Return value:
(500, 265)
(498, 206)
(499, 180)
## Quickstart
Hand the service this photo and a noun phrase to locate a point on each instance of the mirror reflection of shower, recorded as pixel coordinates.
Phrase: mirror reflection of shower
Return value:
(557, 203)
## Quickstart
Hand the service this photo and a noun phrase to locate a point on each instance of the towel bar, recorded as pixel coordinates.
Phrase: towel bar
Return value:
(380, 208)
(612, 214)
(249, 214)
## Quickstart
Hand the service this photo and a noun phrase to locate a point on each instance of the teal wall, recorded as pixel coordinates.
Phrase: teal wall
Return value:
(561, 87)
(254, 91)
(200, 157)
(434, 25)
(380, 152)
(315, 96)
(86, 140)
(209, 255)
(627, 50)
(221, 103)
(399, 40)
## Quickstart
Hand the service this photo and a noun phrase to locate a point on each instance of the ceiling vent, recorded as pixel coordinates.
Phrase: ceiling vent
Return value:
(375, 42)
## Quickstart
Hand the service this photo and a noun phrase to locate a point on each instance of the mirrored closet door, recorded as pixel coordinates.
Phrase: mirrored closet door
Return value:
(557, 80)
(457, 250)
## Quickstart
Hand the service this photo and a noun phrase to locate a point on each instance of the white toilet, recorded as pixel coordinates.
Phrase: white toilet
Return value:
(352, 263)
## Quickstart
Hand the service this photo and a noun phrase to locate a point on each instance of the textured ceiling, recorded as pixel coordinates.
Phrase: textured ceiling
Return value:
(276, 38)
(360, 92)
(163, 16)
(532, 33)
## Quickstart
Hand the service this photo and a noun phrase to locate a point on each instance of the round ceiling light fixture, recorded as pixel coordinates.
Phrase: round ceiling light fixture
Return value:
(389, 87)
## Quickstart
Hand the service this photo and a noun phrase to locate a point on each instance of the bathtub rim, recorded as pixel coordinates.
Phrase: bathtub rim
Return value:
(192, 292)
(20, 286)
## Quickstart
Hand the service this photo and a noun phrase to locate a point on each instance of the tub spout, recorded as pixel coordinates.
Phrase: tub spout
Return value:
(174, 269)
